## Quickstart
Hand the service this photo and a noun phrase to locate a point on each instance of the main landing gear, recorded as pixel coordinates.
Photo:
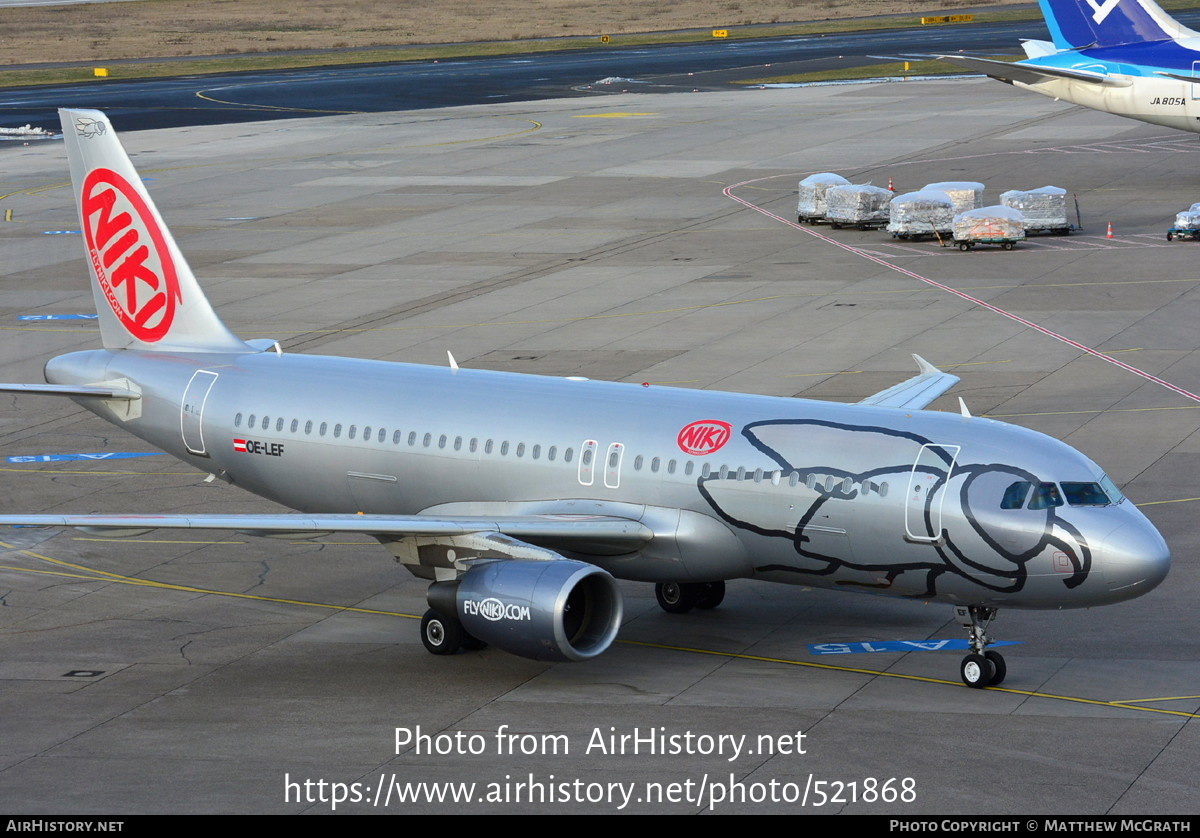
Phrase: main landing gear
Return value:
(682, 597)
(445, 635)
(980, 668)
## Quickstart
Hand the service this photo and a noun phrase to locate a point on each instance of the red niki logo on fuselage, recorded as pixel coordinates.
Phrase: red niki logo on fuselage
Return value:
(130, 255)
(704, 437)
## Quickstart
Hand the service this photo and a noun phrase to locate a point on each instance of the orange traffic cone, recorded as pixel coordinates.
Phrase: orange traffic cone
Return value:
(891, 186)
(1110, 232)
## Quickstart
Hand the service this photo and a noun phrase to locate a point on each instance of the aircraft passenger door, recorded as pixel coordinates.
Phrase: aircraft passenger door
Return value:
(191, 411)
(1195, 86)
(932, 469)
(612, 465)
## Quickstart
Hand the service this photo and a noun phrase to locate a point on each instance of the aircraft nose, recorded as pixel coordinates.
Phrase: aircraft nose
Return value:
(1136, 559)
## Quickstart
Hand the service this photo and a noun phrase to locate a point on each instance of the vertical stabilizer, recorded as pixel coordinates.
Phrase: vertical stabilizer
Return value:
(146, 295)
(1078, 24)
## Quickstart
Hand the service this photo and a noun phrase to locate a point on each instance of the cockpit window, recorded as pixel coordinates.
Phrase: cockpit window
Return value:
(1085, 494)
(1014, 495)
(1111, 489)
(1045, 496)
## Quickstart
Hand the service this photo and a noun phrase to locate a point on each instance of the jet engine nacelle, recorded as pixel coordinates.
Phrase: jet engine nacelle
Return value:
(546, 610)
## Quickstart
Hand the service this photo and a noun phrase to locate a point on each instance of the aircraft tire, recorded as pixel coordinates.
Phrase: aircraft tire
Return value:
(441, 636)
(712, 594)
(677, 597)
(999, 667)
(976, 671)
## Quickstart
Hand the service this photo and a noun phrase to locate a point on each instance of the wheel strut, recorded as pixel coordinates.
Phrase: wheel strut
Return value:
(983, 667)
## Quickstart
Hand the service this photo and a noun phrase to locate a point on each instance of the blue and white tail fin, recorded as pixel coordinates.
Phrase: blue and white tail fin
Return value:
(146, 295)
(1077, 24)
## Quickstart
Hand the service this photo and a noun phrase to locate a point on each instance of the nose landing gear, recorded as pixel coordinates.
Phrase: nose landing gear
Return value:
(982, 667)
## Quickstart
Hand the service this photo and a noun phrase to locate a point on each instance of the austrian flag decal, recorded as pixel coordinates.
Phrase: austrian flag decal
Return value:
(704, 437)
(130, 256)
(239, 445)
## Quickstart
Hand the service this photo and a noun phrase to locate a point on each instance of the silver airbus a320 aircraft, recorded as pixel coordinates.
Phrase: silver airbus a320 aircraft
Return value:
(520, 497)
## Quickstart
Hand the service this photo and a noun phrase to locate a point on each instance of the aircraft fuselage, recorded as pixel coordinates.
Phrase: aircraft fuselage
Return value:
(804, 492)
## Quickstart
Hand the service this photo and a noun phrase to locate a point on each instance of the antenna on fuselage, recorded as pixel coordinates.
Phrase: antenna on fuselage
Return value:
(453, 363)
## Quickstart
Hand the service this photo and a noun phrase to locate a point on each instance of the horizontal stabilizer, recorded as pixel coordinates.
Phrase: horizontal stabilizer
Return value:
(97, 391)
(1179, 76)
(540, 528)
(914, 394)
(1031, 73)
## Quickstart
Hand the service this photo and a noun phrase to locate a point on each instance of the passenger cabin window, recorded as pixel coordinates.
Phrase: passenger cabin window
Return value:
(237, 421)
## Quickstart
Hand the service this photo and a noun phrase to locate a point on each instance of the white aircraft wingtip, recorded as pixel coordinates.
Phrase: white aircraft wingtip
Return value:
(453, 363)
(924, 366)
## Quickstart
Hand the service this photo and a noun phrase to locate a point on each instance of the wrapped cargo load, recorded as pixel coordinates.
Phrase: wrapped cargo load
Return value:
(989, 225)
(863, 206)
(923, 213)
(1187, 225)
(966, 194)
(1045, 209)
(1188, 219)
(812, 189)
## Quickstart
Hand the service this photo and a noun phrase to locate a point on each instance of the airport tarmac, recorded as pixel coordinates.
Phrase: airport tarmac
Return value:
(204, 672)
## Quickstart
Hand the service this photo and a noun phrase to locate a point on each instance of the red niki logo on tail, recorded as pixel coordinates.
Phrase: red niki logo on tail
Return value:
(704, 437)
(130, 255)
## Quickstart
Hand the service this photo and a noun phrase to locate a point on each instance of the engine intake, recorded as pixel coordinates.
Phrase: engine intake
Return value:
(552, 611)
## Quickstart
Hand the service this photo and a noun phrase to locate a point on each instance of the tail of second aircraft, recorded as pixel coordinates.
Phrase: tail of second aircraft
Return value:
(1079, 24)
(146, 295)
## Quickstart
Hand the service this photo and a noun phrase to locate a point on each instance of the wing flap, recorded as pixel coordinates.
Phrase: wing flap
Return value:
(96, 391)
(535, 528)
(917, 392)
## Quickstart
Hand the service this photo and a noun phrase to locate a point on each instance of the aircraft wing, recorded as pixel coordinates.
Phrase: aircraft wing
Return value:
(917, 392)
(605, 530)
(99, 391)
(1030, 73)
